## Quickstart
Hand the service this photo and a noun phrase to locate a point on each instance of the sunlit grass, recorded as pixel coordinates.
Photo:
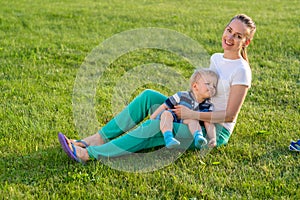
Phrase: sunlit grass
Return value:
(42, 47)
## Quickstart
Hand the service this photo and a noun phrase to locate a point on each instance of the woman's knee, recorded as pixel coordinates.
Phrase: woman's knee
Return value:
(152, 94)
(152, 99)
(148, 93)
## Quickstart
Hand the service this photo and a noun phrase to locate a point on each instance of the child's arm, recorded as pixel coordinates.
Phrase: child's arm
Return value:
(211, 132)
(169, 104)
(161, 108)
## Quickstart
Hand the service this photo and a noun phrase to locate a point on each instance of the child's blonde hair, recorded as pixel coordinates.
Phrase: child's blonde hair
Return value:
(202, 73)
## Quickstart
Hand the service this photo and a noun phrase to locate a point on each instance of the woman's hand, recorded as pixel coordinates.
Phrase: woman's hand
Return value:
(184, 112)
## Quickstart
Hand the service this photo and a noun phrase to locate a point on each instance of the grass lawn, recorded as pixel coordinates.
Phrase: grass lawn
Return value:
(42, 47)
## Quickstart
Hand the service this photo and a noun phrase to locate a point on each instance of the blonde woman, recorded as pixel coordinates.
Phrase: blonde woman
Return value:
(120, 136)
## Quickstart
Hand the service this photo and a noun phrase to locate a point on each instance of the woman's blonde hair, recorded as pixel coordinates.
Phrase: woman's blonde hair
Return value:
(252, 27)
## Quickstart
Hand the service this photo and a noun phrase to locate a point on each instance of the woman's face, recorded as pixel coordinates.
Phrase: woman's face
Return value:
(235, 36)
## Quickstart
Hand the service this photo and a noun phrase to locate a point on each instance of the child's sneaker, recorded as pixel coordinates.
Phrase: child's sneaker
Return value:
(200, 141)
(295, 146)
(170, 141)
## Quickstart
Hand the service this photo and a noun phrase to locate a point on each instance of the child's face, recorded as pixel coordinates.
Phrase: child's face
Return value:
(205, 87)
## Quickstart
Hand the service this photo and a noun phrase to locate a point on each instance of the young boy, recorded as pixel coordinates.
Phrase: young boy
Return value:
(203, 85)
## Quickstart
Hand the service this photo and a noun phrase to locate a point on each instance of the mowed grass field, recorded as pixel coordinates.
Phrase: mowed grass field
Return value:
(42, 47)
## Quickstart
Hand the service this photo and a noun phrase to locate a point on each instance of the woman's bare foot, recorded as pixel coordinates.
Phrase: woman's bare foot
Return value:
(81, 153)
(212, 143)
(93, 140)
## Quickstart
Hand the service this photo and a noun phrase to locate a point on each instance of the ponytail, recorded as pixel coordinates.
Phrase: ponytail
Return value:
(252, 28)
(244, 53)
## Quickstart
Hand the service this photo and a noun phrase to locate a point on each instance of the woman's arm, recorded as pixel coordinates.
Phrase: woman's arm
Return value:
(161, 108)
(235, 101)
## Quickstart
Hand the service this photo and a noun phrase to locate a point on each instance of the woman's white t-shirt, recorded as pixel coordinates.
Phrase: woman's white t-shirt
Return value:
(231, 72)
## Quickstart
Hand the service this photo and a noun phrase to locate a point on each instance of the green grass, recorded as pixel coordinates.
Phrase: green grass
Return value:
(44, 43)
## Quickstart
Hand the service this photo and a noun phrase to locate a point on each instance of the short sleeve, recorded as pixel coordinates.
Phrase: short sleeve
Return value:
(173, 100)
(242, 76)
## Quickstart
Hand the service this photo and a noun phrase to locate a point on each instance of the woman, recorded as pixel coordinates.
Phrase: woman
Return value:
(234, 81)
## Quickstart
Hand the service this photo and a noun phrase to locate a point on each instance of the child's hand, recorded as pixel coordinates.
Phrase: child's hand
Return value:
(152, 116)
(183, 112)
(212, 143)
(158, 111)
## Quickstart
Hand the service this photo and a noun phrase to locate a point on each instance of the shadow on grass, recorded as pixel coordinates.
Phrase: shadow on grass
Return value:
(145, 161)
(39, 166)
(53, 165)
(279, 152)
(276, 155)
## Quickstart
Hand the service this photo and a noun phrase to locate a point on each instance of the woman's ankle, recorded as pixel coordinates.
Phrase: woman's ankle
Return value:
(82, 154)
(94, 140)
